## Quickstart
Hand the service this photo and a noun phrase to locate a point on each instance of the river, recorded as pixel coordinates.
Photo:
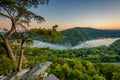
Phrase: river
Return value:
(115, 63)
(90, 43)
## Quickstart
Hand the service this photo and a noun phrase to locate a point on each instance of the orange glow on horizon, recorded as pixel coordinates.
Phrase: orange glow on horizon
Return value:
(63, 27)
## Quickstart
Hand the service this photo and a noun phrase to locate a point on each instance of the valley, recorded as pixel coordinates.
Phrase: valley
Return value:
(86, 44)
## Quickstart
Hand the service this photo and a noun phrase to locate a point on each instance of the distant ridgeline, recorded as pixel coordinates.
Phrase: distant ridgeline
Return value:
(76, 35)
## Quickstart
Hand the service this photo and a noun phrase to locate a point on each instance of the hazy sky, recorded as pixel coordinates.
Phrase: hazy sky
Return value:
(102, 14)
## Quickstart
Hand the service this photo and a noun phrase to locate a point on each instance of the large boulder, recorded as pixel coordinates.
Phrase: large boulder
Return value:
(4, 78)
(19, 75)
(34, 73)
(1, 76)
(52, 77)
(37, 73)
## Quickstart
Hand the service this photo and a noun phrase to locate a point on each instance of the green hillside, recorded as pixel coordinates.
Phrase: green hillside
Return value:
(75, 35)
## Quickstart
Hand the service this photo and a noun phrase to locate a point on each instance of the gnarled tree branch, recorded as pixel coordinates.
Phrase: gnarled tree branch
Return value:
(4, 15)
(8, 12)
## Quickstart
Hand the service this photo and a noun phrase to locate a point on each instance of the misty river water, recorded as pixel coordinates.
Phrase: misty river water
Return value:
(90, 43)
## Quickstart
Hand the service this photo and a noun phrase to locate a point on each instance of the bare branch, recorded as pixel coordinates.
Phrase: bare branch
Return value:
(18, 17)
(8, 12)
(10, 33)
(4, 15)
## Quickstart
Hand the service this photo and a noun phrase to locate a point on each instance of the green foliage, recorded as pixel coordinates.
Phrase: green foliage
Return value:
(97, 77)
(95, 54)
(116, 76)
(75, 69)
(6, 65)
(110, 71)
(116, 46)
(36, 56)
(55, 27)
(50, 34)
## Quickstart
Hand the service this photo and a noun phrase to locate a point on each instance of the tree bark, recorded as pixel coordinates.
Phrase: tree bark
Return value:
(9, 50)
(21, 56)
(6, 45)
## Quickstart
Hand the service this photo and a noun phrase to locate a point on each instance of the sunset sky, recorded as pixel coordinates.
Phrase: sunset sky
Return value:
(101, 14)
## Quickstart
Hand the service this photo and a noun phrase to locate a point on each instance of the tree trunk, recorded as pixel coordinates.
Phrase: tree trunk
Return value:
(21, 58)
(9, 50)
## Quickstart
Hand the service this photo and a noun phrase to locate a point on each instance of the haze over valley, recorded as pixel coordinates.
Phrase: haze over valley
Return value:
(86, 44)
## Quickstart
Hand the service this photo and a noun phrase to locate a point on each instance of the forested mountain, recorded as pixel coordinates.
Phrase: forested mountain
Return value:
(75, 35)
